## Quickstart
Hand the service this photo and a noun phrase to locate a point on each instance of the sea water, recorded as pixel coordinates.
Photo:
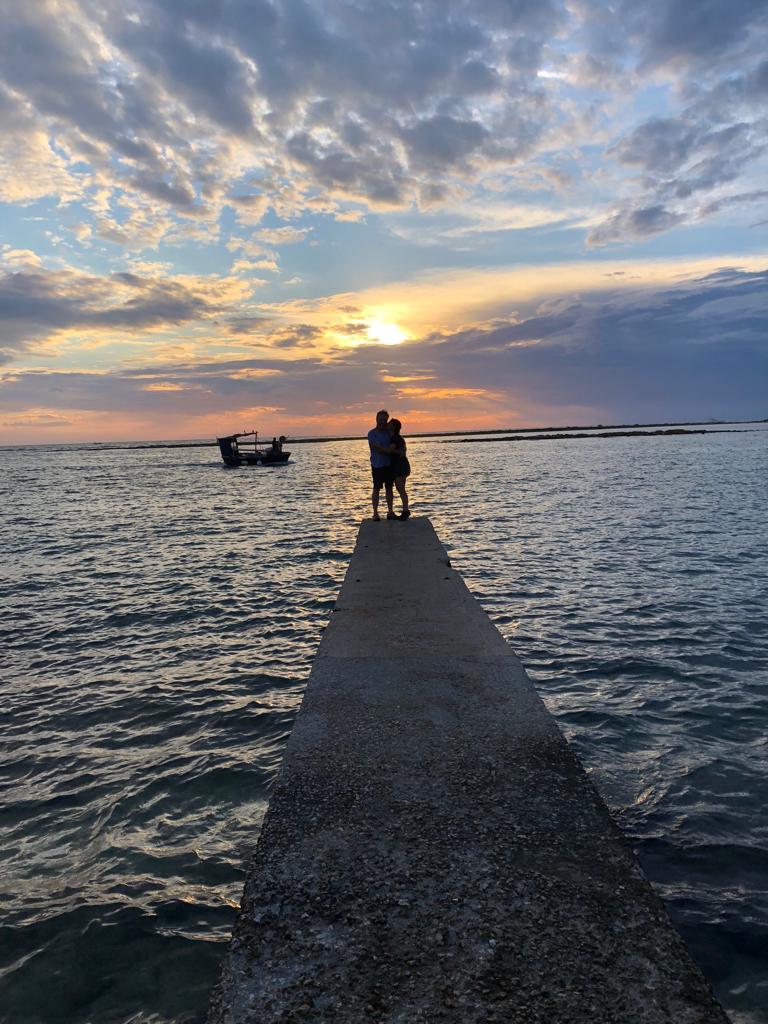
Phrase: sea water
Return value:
(160, 617)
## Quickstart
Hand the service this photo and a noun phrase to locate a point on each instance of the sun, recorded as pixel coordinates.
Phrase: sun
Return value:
(385, 333)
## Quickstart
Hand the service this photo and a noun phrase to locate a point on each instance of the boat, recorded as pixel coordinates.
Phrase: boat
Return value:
(235, 455)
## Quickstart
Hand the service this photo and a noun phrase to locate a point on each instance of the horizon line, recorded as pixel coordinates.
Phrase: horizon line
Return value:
(319, 439)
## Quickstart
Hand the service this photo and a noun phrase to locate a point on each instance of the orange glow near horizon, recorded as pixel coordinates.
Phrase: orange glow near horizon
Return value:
(442, 302)
(189, 395)
(442, 409)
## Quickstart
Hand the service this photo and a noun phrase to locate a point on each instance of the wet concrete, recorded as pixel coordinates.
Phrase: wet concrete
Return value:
(433, 850)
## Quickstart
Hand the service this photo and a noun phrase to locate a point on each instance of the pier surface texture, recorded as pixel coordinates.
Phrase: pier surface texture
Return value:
(433, 850)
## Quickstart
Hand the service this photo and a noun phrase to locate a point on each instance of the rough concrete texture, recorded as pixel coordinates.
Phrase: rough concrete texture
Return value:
(433, 850)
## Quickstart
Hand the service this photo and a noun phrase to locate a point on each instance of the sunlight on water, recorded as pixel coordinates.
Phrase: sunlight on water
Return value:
(163, 615)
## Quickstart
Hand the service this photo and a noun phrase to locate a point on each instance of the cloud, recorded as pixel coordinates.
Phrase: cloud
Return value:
(296, 336)
(282, 236)
(19, 259)
(671, 33)
(653, 343)
(442, 141)
(175, 105)
(36, 304)
(635, 223)
(165, 385)
(474, 220)
(737, 199)
(334, 107)
(661, 145)
(35, 418)
(683, 159)
(203, 71)
(719, 134)
(248, 266)
(694, 348)
(371, 137)
(698, 33)
(250, 207)
(32, 167)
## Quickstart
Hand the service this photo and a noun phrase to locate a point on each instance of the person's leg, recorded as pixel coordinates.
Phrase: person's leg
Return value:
(389, 496)
(400, 485)
(375, 499)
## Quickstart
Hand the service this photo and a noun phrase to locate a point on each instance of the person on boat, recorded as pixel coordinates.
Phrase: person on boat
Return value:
(401, 467)
(276, 446)
(380, 443)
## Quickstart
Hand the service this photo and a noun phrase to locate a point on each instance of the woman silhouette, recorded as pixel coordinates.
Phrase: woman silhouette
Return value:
(401, 467)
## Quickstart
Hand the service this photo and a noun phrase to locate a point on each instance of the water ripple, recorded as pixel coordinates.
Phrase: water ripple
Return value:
(162, 620)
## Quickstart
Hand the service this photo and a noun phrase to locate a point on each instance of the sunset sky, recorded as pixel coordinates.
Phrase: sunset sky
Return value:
(220, 214)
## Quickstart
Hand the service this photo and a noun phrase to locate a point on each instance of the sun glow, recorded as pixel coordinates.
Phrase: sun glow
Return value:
(385, 333)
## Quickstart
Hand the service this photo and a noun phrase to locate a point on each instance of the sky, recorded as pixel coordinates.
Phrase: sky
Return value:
(218, 215)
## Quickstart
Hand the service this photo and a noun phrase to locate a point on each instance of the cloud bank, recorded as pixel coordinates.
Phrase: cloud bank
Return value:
(220, 209)
(155, 111)
(620, 351)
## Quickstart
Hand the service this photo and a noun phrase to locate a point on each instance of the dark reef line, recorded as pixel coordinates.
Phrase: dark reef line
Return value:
(607, 433)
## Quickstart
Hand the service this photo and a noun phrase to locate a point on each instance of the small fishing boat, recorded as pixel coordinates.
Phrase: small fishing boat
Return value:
(251, 455)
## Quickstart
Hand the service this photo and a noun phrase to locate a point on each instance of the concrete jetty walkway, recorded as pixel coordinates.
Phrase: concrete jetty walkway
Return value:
(433, 850)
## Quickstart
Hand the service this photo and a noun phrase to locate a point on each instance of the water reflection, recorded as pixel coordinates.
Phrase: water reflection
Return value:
(166, 612)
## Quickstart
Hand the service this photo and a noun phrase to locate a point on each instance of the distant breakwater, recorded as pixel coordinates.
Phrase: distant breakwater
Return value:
(570, 437)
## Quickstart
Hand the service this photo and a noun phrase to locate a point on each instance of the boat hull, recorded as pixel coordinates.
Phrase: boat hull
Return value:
(266, 459)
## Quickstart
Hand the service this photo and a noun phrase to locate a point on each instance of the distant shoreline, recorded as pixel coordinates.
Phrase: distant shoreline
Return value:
(673, 432)
(632, 429)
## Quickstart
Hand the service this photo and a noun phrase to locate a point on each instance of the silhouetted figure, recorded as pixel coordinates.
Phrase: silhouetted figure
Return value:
(401, 467)
(379, 443)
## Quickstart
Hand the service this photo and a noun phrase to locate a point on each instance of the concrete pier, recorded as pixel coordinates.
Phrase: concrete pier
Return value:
(433, 850)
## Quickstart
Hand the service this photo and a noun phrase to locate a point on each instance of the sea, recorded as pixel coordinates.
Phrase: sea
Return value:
(160, 617)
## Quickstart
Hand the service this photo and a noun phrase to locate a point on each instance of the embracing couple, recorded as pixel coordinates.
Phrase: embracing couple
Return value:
(389, 464)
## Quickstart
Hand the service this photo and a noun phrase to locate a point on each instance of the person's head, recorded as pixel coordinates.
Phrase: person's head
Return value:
(394, 426)
(381, 419)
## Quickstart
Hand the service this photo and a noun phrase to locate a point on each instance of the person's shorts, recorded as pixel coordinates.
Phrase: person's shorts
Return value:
(382, 475)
